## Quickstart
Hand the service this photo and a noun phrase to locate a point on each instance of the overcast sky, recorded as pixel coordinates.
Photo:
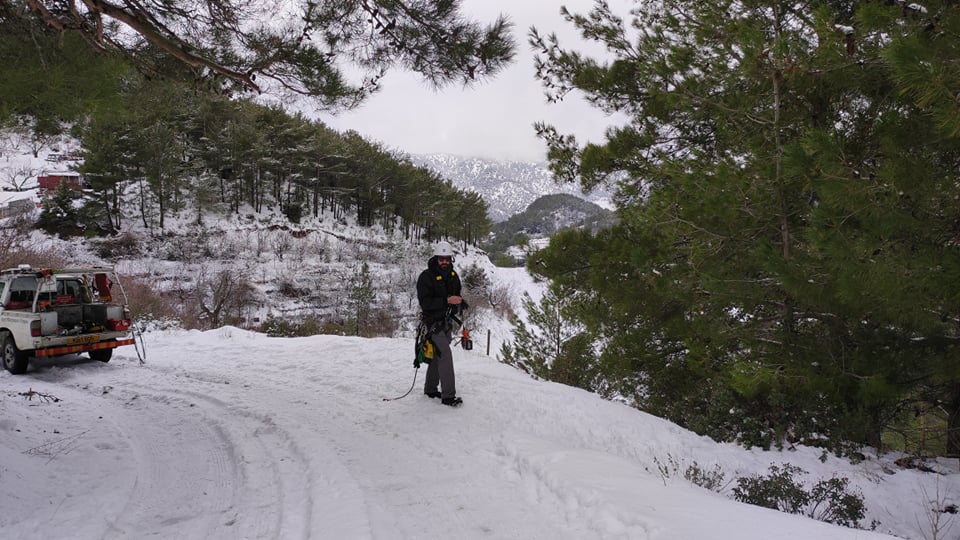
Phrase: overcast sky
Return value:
(494, 119)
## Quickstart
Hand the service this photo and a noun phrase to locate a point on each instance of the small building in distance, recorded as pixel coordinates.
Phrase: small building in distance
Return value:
(50, 182)
(14, 203)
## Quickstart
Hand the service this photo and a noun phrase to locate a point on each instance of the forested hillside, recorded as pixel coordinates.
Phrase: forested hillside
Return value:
(182, 143)
(223, 156)
(544, 217)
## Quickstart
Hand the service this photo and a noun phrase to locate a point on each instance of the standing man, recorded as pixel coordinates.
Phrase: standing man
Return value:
(438, 291)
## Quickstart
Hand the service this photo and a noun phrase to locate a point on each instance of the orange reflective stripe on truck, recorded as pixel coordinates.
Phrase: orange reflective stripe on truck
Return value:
(71, 349)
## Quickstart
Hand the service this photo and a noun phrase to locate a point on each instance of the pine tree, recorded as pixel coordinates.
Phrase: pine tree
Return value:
(60, 214)
(108, 161)
(236, 47)
(360, 300)
(786, 212)
(52, 77)
(553, 347)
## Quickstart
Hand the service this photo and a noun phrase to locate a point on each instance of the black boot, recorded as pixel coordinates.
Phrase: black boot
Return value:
(452, 401)
(434, 394)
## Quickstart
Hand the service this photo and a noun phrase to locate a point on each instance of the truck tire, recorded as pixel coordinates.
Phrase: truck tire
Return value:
(103, 355)
(14, 360)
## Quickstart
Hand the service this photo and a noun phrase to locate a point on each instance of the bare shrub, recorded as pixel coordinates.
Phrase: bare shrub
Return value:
(124, 245)
(335, 326)
(261, 242)
(940, 514)
(227, 247)
(281, 244)
(384, 323)
(482, 293)
(15, 178)
(187, 248)
(289, 289)
(500, 297)
(712, 479)
(301, 250)
(145, 302)
(16, 247)
(221, 294)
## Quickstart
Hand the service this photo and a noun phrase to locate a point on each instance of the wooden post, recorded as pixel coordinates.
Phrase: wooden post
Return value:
(488, 342)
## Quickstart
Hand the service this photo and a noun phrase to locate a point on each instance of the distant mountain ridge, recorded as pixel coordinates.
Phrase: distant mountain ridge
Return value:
(544, 217)
(509, 187)
(552, 213)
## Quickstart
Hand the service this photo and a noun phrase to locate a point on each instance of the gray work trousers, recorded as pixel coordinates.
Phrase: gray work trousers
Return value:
(440, 369)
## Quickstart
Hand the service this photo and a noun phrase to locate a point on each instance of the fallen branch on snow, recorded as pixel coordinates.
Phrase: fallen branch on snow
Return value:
(29, 394)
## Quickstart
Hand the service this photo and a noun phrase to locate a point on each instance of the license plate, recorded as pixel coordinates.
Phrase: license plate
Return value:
(83, 339)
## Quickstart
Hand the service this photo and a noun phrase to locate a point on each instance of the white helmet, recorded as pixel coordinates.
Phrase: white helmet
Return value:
(443, 249)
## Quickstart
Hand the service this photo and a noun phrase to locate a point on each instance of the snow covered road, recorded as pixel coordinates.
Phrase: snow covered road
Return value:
(232, 435)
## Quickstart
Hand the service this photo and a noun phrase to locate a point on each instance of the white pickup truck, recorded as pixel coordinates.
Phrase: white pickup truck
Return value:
(46, 312)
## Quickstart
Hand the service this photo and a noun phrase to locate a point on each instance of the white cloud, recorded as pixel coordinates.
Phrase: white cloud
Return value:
(493, 119)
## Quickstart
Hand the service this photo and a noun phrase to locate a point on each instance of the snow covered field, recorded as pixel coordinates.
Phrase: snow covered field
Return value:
(228, 434)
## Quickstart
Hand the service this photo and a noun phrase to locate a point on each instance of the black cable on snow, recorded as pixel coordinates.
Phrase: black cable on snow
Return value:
(414, 383)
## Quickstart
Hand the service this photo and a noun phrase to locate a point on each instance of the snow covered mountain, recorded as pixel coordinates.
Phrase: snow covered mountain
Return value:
(508, 186)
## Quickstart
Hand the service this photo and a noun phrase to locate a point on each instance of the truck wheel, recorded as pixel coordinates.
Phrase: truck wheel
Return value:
(14, 360)
(102, 355)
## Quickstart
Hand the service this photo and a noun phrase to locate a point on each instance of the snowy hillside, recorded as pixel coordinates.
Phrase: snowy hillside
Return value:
(226, 435)
(508, 186)
(281, 272)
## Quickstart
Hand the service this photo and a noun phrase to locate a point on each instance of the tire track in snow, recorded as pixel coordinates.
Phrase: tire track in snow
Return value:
(196, 468)
(396, 465)
(309, 492)
(183, 467)
(373, 463)
(316, 403)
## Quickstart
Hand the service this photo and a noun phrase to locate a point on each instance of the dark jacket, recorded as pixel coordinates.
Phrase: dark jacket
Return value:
(433, 290)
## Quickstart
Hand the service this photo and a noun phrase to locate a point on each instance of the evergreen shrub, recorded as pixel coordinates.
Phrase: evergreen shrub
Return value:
(828, 500)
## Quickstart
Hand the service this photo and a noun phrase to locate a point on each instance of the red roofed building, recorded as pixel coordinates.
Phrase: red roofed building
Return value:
(50, 182)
